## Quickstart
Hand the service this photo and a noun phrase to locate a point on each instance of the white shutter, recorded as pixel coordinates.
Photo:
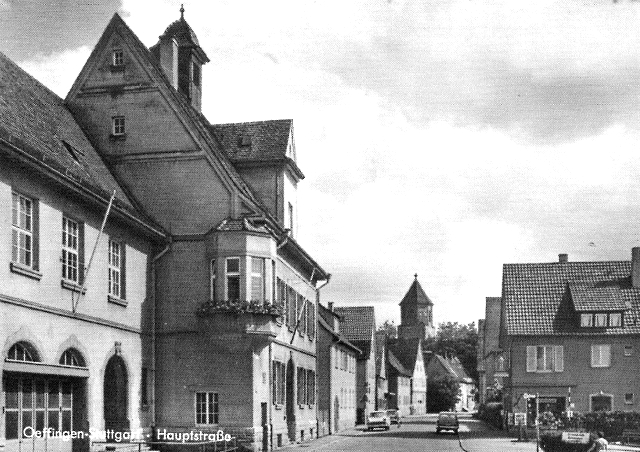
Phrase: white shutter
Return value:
(559, 361)
(594, 355)
(531, 358)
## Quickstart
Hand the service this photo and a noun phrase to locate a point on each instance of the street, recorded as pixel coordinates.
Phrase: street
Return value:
(418, 434)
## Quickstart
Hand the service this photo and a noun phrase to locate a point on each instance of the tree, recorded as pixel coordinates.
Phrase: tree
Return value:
(458, 340)
(443, 393)
(390, 328)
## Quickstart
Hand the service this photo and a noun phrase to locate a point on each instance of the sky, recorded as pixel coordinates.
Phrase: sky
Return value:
(443, 138)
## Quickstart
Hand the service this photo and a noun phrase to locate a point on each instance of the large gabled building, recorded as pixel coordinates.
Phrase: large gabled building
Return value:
(74, 354)
(235, 318)
(571, 331)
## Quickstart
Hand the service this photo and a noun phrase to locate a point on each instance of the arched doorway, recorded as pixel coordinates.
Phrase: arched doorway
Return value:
(115, 395)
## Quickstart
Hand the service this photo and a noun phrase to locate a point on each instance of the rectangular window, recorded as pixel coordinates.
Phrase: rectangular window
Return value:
(628, 398)
(117, 125)
(70, 250)
(302, 311)
(212, 280)
(22, 230)
(601, 355)
(206, 408)
(311, 387)
(258, 273)
(302, 382)
(586, 320)
(291, 309)
(337, 354)
(601, 320)
(545, 358)
(628, 350)
(615, 319)
(196, 74)
(117, 57)
(116, 269)
(278, 383)
(233, 278)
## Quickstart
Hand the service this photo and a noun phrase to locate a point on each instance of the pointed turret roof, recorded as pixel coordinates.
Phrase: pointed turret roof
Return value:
(184, 35)
(416, 295)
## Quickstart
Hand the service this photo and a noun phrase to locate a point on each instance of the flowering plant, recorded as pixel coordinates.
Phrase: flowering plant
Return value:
(241, 307)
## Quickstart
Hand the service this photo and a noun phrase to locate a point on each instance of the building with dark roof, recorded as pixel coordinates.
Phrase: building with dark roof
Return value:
(416, 313)
(409, 353)
(235, 314)
(336, 374)
(358, 324)
(571, 330)
(438, 366)
(491, 358)
(76, 296)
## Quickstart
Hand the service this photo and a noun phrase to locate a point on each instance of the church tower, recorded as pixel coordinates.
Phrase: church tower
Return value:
(416, 314)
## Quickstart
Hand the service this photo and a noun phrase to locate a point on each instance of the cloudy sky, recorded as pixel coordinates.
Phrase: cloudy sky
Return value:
(441, 137)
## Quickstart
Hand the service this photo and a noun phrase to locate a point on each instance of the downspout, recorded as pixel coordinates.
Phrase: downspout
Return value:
(154, 259)
(325, 282)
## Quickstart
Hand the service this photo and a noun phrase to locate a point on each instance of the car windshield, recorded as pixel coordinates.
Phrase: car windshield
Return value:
(377, 414)
(447, 417)
(391, 411)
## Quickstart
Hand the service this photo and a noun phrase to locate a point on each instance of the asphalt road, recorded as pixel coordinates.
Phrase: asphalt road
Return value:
(418, 434)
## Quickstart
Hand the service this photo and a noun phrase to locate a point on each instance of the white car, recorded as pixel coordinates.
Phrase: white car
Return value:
(378, 419)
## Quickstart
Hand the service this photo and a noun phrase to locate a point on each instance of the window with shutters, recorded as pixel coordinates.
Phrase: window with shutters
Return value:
(311, 320)
(601, 355)
(545, 358)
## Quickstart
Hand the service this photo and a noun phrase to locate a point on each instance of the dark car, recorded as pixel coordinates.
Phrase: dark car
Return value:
(394, 416)
(447, 421)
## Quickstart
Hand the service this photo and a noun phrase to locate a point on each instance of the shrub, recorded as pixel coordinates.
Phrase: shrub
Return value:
(491, 413)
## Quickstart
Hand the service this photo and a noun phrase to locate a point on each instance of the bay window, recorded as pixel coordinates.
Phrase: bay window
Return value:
(232, 271)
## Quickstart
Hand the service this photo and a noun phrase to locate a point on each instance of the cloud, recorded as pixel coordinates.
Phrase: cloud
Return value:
(59, 70)
(443, 138)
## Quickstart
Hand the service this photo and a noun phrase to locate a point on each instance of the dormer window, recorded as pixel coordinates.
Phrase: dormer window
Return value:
(615, 319)
(601, 320)
(586, 320)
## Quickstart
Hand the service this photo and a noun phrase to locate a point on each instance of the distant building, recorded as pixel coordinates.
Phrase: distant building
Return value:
(359, 327)
(410, 354)
(439, 366)
(572, 331)
(399, 384)
(416, 314)
(492, 361)
(337, 358)
(382, 382)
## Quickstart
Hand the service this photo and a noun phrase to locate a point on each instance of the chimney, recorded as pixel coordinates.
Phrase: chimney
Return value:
(330, 306)
(168, 56)
(635, 266)
(563, 258)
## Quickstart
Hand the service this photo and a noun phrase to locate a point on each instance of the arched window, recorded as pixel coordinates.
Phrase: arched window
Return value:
(23, 351)
(72, 357)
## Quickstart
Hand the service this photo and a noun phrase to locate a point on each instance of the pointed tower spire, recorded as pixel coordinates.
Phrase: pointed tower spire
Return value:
(416, 313)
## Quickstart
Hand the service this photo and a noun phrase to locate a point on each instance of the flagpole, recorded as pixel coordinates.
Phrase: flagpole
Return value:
(95, 247)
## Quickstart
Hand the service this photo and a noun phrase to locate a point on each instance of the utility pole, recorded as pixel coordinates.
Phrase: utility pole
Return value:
(537, 422)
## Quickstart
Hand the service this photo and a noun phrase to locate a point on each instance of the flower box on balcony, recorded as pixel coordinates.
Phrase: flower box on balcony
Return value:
(241, 317)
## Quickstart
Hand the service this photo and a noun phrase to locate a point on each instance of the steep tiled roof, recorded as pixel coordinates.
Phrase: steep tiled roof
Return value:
(458, 370)
(396, 364)
(337, 336)
(406, 350)
(37, 122)
(358, 325)
(254, 141)
(537, 300)
(416, 295)
(596, 297)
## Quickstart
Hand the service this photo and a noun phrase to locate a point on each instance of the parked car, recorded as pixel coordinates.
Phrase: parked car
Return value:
(378, 419)
(394, 417)
(447, 420)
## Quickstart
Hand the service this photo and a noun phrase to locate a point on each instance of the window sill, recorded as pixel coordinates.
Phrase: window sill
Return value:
(116, 300)
(73, 286)
(119, 137)
(25, 271)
